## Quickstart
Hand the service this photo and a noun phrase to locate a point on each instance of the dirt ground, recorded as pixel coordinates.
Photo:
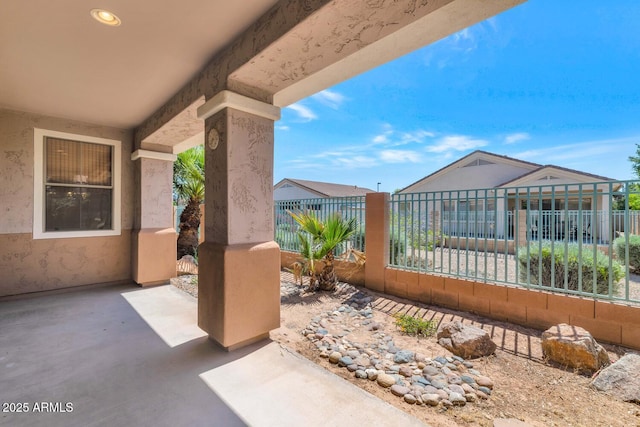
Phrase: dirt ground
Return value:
(526, 387)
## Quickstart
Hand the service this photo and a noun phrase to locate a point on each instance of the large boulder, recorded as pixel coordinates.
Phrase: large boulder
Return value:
(573, 347)
(622, 379)
(465, 341)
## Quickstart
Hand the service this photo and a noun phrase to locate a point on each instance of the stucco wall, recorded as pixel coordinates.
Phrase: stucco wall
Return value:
(606, 321)
(349, 272)
(293, 192)
(29, 265)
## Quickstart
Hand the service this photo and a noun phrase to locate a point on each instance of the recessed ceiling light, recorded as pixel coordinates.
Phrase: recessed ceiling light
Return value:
(105, 17)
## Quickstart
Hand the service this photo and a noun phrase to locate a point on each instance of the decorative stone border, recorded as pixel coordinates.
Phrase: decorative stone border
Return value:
(444, 381)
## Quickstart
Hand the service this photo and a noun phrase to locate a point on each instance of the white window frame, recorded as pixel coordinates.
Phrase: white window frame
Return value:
(39, 204)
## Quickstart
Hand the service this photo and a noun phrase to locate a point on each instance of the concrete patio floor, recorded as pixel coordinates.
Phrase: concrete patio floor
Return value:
(122, 355)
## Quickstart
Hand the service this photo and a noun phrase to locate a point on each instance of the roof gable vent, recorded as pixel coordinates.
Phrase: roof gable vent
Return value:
(478, 162)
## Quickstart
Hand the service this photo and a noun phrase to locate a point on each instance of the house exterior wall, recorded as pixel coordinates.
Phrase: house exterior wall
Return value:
(293, 192)
(29, 265)
(471, 177)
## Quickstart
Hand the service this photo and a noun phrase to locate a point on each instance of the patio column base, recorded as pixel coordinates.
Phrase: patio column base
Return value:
(153, 259)
(238, 292)
(153, 256)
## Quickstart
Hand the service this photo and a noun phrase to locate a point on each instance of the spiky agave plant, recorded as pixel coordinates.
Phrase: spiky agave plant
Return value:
(318, 241)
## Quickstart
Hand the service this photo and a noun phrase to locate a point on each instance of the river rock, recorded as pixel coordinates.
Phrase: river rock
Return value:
(385, 380)
(457, 399)
(485, 382)
(405, 371)
(410, 399)
(361, 374)
(431, 399)
(403, 356)
(335, 357)
(399, 390)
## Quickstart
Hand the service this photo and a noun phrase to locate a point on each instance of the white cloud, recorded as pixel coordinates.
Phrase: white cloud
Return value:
(354, 162)
(282, 127)
(493, 23)
(304, 113)
(456, 143)
(400, 156)
(463, 35)
(347, 157)
(417, 136)
(330, 98)
(561, 154)
(380, 139)
(606, 157)
(516, 137)
(391, 138)
(383, 137)
(456, 48)
(465, 40)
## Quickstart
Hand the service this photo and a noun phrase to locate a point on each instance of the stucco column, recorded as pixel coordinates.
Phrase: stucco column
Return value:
(154, 238)
(239, 263)
(376, 240)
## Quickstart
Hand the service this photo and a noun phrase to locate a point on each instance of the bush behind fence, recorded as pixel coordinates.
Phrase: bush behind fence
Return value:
(552, 237)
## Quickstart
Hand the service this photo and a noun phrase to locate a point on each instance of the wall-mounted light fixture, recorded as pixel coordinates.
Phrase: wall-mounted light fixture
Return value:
(105, 17)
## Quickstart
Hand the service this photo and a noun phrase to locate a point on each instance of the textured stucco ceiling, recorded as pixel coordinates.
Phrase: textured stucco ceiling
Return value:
(56, 60)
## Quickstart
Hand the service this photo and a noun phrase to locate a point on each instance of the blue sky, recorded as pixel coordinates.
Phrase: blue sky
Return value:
(550, 82)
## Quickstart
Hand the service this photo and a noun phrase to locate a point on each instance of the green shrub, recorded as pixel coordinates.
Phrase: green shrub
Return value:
(287, 240)
(425, 239)
(412, 261)
(357, 240)
(543, 256)
(620, 244)
(397, 246)
(413, 326)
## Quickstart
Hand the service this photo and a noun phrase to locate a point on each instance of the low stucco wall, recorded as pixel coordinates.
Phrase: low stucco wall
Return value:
(29, 265)
(606, 321)
(348, 272)
(488, 245)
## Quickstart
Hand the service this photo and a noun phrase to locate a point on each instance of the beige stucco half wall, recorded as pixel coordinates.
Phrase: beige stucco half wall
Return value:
(346, 271)
(607, 321)
(29, 265)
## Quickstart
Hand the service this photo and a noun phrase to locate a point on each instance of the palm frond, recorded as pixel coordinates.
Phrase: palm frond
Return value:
(188, 175)
(308, 222)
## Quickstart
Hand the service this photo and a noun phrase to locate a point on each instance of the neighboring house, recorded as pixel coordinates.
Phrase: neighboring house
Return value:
(289, 189)
(482, 185)
(320, 198)
(307, 196)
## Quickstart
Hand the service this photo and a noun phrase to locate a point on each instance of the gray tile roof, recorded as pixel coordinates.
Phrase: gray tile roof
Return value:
(328, 189)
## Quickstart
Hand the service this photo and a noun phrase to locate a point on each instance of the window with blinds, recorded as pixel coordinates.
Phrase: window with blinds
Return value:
(78, 185)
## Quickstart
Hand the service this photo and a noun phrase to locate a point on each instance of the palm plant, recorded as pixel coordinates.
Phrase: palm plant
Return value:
(318, 241)
(188, 186)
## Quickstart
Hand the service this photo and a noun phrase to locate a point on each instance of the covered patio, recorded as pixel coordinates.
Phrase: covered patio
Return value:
(129, 98)
(121, 355)
(90, 138)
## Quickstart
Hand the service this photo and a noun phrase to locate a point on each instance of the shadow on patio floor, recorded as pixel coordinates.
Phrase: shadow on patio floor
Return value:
(122, 355)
